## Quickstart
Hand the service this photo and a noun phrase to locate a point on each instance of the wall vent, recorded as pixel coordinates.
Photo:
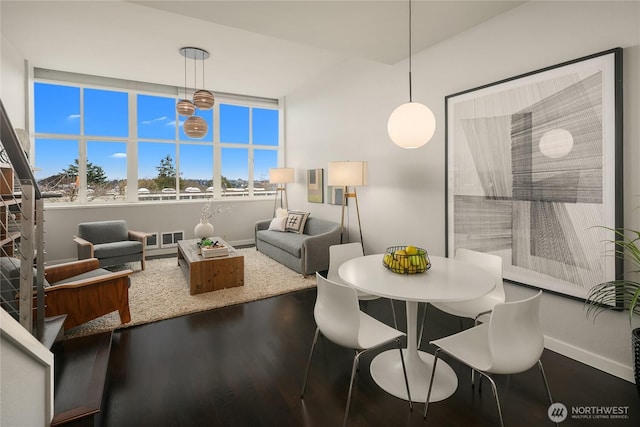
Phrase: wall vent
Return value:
(170, 238)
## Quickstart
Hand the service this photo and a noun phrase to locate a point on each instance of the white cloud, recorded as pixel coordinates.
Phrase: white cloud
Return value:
(118, 156)
(158, 119)
(73, 117)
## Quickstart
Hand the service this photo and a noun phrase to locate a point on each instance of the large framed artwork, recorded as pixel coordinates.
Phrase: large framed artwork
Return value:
(534, 173)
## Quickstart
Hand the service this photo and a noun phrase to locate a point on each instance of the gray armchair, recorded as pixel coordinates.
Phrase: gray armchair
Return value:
(110, 242)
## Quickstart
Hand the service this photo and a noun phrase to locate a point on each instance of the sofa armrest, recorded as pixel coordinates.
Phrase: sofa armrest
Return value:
(263, 224)
(315, 250)
(55, 273)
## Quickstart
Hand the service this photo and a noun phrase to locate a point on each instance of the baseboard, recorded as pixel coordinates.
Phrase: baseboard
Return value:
(588, 358)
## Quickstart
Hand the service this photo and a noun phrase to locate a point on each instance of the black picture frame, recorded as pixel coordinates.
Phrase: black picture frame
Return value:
(534, 173)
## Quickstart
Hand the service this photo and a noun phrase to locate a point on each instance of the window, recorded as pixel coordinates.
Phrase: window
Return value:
(109, 143)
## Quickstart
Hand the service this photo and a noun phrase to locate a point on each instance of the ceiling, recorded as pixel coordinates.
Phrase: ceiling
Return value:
(261, 48)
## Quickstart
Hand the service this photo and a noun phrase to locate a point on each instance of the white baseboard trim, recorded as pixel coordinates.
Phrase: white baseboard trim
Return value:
(588, 358)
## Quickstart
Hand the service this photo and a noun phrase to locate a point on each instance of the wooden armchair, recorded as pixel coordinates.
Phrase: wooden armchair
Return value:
(84, 291)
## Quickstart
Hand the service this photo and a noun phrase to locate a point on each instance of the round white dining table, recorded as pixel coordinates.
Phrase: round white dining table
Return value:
(447, 280)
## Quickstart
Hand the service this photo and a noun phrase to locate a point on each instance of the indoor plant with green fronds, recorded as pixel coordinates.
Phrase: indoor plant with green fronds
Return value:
(622, 293)
(626, 291)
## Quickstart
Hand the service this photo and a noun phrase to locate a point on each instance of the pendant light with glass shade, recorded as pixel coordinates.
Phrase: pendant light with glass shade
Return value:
(411, 125)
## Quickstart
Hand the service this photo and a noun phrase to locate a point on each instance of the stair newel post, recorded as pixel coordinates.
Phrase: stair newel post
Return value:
(26, 255)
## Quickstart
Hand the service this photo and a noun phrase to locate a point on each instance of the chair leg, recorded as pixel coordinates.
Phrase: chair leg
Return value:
(546, 383)
(433, 374)
(424, 316)
(356, 361)
(306, 372)
(495, 395)
(404, 370)
(393, 312)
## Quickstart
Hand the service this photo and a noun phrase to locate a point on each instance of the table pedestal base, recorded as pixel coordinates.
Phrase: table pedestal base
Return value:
(386, 370)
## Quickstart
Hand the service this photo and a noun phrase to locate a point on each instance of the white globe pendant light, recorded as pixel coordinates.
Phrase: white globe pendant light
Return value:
(411, 125)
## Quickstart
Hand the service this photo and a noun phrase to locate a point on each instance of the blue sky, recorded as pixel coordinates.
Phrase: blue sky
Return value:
(57, 111)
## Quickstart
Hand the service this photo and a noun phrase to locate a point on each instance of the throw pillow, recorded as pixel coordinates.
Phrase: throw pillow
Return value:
(278, 224)
(281, 212)
(296, 221)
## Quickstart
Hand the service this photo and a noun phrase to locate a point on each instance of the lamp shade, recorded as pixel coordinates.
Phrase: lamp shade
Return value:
(347, 174)
(281, 175)
(195, 127)
(203, 99)
(185, 108)
(411, 125)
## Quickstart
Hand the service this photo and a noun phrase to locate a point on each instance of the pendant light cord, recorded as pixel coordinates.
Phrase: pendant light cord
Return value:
(185, 75)
(410, 88)
(203, 86)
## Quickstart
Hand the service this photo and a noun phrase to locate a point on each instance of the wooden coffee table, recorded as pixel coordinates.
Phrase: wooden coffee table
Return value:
(210, 274)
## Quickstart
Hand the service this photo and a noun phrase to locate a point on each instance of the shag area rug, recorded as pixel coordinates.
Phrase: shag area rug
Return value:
(161, 291)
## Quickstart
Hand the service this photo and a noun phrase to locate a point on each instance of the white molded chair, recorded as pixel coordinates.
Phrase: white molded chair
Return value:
(338, 254)
(338, 317)
(511, 342)
(477, 307)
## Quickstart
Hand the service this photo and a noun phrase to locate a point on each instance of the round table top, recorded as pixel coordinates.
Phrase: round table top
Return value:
(447, 280)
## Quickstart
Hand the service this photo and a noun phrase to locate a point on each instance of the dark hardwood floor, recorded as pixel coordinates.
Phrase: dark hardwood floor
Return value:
(243, 366)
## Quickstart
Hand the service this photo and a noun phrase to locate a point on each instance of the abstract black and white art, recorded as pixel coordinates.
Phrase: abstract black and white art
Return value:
(534, 173)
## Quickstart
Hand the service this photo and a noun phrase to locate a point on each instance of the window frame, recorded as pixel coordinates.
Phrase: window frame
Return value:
(133, 89)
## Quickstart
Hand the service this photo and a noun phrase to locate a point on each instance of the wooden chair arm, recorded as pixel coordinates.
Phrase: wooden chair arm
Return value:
(138, 235)
(89, 281)
(57, 272)
(85, 247)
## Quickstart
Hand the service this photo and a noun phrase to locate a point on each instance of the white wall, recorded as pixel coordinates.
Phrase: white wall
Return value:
(235, 226)
(343, 116)
(21, 352)
(12, 83)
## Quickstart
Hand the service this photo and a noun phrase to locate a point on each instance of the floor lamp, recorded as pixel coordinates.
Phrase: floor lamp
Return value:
(281, 177)
(348, 174)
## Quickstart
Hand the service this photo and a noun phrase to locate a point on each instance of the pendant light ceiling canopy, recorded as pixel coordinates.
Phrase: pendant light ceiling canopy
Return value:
(411, 125)
(195, 126)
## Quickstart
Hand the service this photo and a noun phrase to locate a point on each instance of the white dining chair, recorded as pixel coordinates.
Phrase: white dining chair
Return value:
(339, 319)
(511, 342)
(476, 308)
(338, 254)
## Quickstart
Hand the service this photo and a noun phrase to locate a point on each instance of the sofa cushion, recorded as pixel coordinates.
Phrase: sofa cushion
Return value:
(278, 224)
(108, 250)
(10, 270)
(289, 242)
(296, 221)
(103, 231)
